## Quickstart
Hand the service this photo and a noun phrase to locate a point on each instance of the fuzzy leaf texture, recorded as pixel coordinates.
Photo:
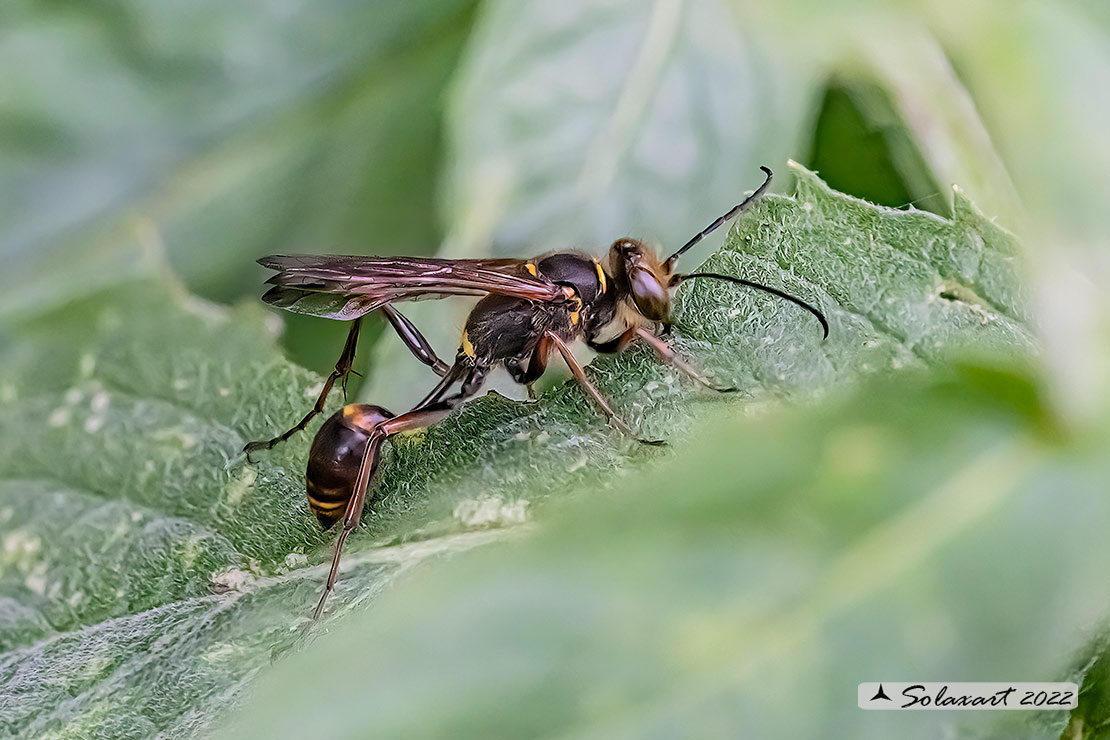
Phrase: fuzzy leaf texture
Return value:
(151, 573)
(925, 529)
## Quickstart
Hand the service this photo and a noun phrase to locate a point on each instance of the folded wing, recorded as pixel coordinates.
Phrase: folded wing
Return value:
(347, 287)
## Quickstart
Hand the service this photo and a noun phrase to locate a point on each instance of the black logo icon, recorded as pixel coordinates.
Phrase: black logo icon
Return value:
(880, 694)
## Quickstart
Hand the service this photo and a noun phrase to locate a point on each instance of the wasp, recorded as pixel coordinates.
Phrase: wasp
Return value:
(528, 310)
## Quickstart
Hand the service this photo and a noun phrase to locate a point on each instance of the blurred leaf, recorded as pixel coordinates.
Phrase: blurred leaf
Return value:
(575, 123)
(1033, 69)
(126, 512)
(937, 135)
(233, 131)
(910, 531)
(591, 119)
(1089, 721)
(854, 136)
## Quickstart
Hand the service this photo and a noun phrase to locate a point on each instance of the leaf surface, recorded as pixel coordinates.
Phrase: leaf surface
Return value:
(152, 573)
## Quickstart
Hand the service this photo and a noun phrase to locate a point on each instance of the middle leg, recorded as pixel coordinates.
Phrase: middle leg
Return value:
(409, 334)
(537, 365)
(342, 369)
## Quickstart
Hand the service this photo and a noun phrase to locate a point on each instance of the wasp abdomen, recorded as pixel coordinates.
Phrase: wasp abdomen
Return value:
(336, 455)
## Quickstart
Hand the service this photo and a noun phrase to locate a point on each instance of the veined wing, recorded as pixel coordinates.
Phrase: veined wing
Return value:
(346, 287)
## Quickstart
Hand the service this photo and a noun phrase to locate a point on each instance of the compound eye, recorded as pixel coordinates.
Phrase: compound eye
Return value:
(650, 297)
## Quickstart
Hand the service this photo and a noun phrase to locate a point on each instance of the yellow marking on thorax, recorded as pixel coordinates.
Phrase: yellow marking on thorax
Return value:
(530, 267)
(600, 276)
(467, 347)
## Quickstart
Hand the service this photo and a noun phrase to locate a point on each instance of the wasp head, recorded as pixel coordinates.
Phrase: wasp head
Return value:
(643, 277)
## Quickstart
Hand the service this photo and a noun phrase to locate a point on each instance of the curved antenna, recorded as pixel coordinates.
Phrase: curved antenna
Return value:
(676, 279)
(736, 210)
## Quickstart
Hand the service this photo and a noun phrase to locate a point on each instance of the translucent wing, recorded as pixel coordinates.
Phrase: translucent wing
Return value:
(346, 287)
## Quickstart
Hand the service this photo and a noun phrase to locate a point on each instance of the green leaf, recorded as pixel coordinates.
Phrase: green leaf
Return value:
(570, 126)
(152, 573)
(913, 531)
(1089, 720)
(226, 132)
(649, 72)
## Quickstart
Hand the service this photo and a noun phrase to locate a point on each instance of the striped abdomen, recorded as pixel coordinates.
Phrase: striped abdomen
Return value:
(336, 455)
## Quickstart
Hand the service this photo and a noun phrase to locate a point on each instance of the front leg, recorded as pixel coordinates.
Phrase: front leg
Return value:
(537, 365)
(669, 355)
(662, 349)
(580, 375)
(613, 346)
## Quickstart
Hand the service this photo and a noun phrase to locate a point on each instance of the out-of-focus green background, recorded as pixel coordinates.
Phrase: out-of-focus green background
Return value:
(151, 151)
(388, 127)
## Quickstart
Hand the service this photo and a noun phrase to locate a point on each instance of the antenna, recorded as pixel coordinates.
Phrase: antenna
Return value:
(736, 210)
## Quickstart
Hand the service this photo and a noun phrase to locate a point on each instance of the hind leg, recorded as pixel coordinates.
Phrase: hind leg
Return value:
(433, 409)
(383, 430)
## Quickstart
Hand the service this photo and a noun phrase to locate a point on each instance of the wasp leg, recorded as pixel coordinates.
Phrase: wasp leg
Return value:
(661, 347)
(414, 340)
(408, 333)
(415, 419)
(438, 402)
(614, 346)
(342, 368)
(353, 512)
(537, 365)
(580, 375)
(669, 355)
(444, 385)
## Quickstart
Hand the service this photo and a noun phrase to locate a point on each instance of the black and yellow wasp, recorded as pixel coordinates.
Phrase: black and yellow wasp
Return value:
(527, 310)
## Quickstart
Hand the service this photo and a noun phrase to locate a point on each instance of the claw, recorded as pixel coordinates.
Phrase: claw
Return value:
(250, 447)
(344, 379)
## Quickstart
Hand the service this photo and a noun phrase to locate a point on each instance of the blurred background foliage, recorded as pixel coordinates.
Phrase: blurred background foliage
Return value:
(200, 136)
